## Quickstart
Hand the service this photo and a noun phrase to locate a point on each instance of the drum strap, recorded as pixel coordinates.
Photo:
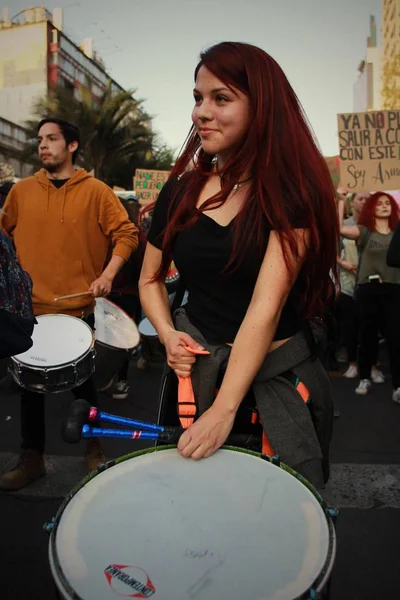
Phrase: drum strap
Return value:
(186, 402)
(187, 407)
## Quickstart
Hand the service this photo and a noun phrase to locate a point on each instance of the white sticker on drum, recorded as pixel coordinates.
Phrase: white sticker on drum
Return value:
(229, 527)
(57, 340)
(114, 327)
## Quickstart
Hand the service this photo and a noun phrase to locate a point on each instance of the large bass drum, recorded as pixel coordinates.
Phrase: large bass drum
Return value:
(233, 526)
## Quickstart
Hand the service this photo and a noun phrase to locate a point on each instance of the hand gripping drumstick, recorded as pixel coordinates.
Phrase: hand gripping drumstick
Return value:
(77, 426)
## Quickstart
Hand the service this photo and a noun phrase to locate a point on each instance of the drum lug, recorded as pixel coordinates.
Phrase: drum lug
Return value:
(275, 460)
(48, 527)
(333, 513)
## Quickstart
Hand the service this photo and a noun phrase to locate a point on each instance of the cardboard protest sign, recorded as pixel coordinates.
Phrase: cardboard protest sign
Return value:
(147, 184)
(370, 150)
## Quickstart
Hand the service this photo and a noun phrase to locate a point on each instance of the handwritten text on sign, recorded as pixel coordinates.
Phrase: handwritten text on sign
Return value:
(147, 184)
(370, 150)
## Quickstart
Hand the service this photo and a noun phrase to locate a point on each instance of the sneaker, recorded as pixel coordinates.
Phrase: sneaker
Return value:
(377, 376)
(351, 373)
(396, 395)
(94, 455)
(363, 387)
(29, 468)
(121, 390)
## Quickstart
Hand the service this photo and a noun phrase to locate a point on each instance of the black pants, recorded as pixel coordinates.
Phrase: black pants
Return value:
(378, 304)
(347, 317)
(131, 305)
(33, 430)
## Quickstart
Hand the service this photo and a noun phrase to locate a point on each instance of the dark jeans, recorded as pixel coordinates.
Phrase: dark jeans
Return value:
(33, 430)
(378, 304)
(349, 325)
(131, 305)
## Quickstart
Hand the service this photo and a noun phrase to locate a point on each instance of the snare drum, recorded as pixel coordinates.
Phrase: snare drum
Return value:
(61, 358)
(116, 337)
(229, 527)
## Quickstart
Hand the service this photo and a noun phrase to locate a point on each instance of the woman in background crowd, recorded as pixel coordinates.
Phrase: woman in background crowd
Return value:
(378, 286)
(346, 310)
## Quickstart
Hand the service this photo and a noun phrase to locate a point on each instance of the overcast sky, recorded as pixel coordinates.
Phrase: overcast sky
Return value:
(153, 46)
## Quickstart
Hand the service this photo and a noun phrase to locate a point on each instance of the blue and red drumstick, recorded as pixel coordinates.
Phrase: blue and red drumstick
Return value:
(82, 416)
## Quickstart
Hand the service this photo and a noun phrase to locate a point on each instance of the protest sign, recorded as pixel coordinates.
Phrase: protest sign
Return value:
(147, 184)
(370, 150)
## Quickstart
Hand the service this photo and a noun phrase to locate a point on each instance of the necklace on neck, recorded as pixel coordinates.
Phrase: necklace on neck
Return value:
(237, 185)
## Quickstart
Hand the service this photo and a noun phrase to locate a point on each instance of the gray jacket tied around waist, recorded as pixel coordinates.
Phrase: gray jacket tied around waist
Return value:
(300, 433)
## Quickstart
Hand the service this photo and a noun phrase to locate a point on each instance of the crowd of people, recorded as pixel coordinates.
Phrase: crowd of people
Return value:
(251, 220)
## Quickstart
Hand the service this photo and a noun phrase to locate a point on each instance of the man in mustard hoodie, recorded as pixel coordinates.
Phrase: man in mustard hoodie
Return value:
(62, 222)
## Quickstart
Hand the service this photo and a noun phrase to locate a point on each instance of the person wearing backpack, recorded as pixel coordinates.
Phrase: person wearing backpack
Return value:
(62, 222)
(7, 180)
(16, 310)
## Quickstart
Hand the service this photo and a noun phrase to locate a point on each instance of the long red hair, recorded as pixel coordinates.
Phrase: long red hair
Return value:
(367, 216)
(290, 175)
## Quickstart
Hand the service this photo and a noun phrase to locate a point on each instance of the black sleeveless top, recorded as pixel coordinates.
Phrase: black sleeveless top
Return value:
(217, 302)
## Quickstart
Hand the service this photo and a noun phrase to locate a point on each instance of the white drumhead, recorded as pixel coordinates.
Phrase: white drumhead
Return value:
(229, 527)
(147, 329)
(114, 327)
(57, 340)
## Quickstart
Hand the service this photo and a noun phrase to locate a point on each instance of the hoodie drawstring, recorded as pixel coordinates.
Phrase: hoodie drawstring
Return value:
(63, 203)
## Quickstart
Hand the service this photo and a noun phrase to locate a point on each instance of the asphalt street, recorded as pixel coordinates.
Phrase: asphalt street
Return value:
(365, 485)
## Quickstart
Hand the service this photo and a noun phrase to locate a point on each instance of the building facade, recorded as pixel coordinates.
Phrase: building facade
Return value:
(368, 86)
(391, 53)
(390, 29)
(35, 55)
(13, 139)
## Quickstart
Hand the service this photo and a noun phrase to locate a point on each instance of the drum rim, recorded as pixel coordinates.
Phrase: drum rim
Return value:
(320, 581)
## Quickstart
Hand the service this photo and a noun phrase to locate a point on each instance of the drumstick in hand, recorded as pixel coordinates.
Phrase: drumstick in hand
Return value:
(73, 296)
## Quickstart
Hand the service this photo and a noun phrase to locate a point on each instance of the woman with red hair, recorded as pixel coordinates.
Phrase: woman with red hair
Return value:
(378, 286)
(252, 228)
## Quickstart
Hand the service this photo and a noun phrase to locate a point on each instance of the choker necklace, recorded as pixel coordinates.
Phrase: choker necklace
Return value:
(237, 185)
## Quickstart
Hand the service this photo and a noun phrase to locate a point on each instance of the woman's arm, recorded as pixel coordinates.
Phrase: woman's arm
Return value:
(153, 295)
(393, 254)
(249, 349)
(351, 232)
(346, 265)
(155, 302)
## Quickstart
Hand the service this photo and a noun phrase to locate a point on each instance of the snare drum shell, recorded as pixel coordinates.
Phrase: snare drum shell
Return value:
(61, 358)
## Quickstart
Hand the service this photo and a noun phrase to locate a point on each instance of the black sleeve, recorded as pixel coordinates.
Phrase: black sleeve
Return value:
(160, 214)
(393, 254)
